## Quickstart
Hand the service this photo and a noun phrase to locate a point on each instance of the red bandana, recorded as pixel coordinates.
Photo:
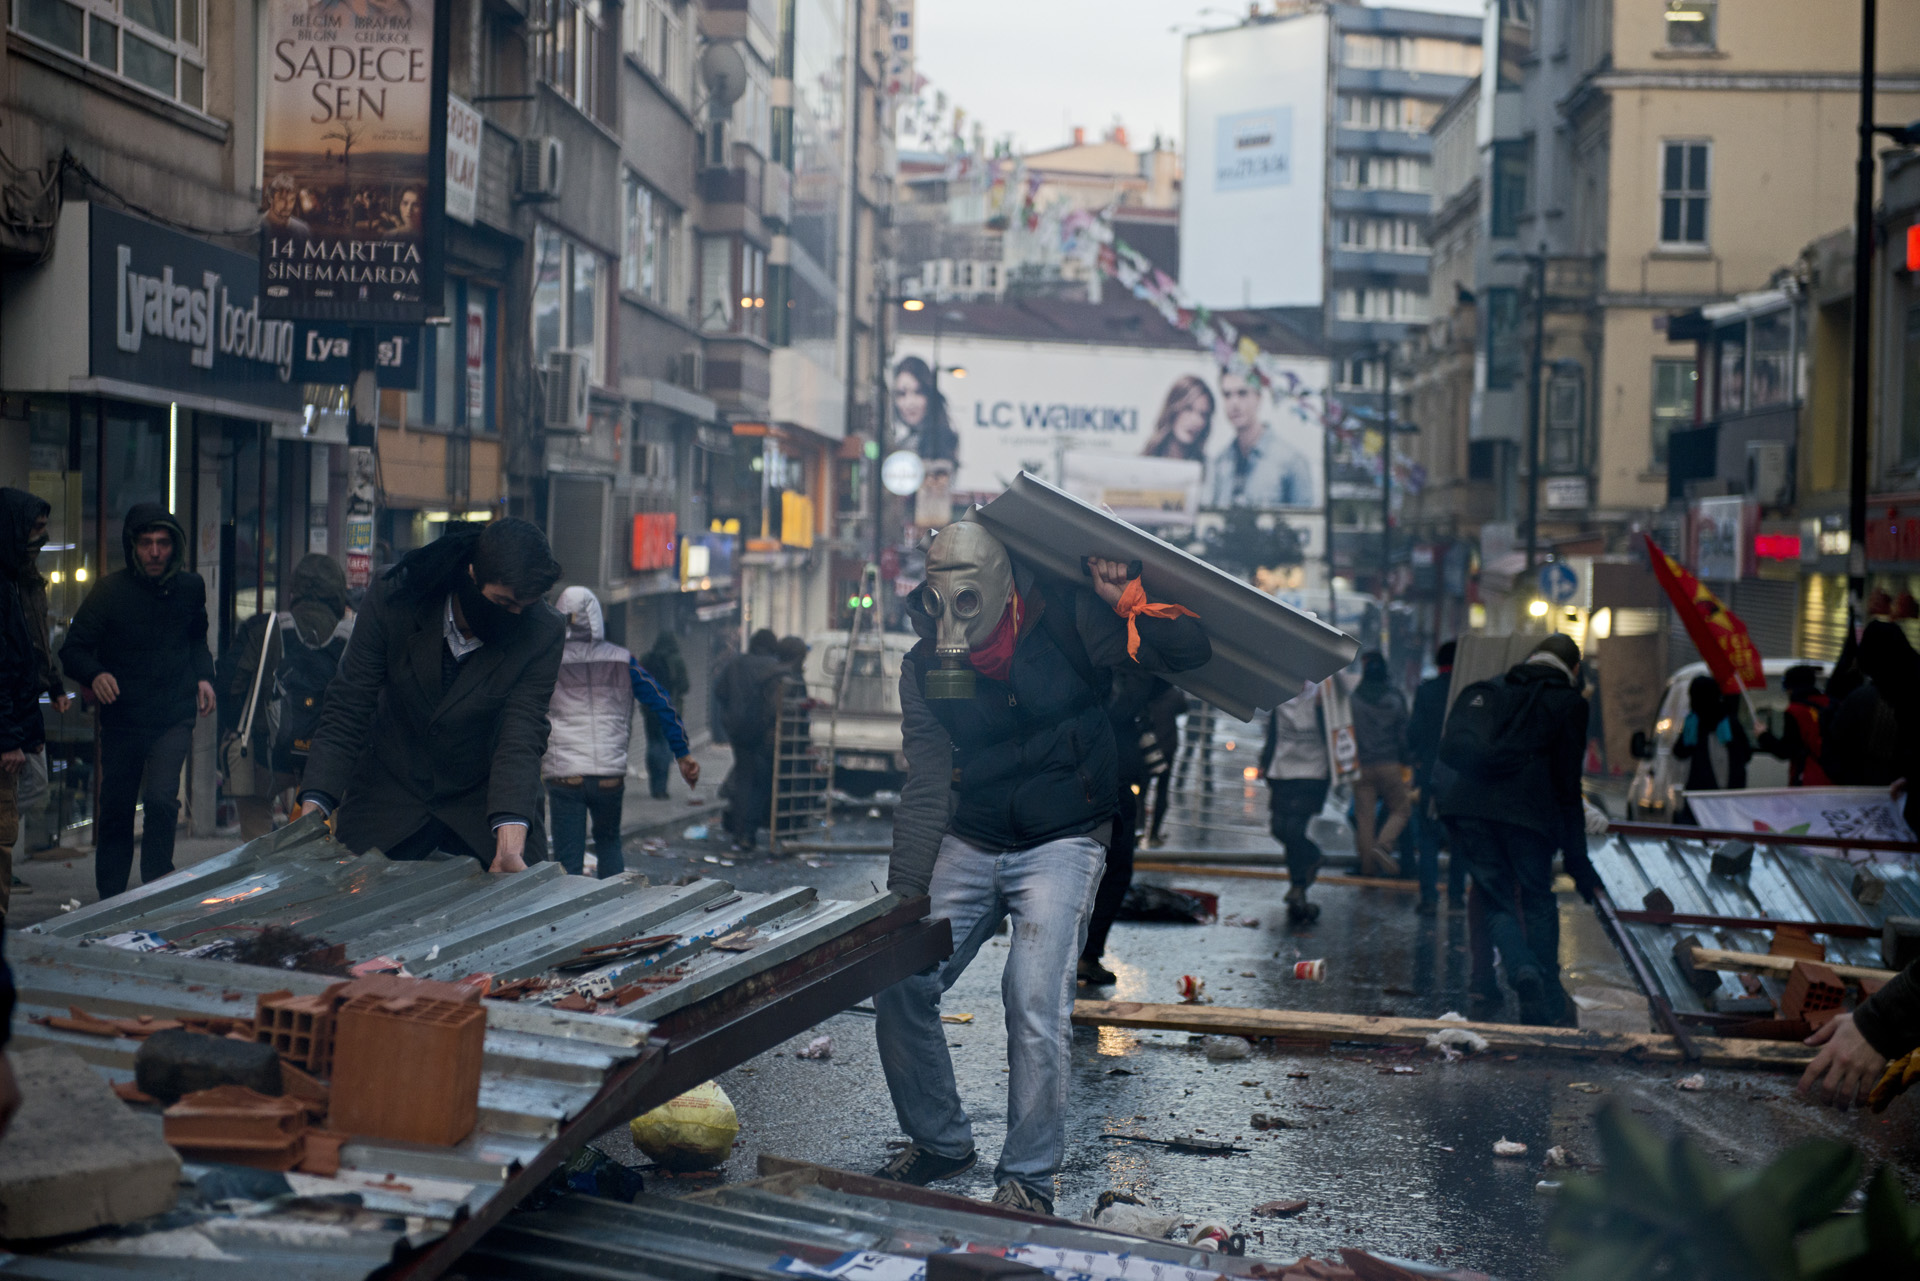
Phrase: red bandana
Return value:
(994, 659)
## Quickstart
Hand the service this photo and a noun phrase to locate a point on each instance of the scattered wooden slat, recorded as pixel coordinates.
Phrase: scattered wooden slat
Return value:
(1310, 1028)
(1714, 958)
(1273, 874)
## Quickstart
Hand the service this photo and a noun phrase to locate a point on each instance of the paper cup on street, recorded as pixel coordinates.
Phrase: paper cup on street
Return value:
(1313, 971)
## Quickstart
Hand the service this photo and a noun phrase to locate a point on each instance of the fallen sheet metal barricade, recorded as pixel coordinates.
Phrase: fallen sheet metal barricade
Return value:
(698, 977)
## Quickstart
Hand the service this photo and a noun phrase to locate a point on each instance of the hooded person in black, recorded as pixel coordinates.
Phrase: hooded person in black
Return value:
(139, 644)
(26, 666)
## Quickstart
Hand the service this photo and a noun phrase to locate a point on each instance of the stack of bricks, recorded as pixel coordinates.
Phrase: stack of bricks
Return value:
(1814, 994)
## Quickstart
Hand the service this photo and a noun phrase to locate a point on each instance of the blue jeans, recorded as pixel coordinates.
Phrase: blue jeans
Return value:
(572, 804)
(1512, 870)
(1048, 891)
(659, 761)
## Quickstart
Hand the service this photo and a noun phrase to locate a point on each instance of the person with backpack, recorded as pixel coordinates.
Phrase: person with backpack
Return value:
(1380, 733)
(274, 712)
(1144, 756)
(1712, 742)
(1012, 786)
(664, 663)
(1799, 740)
(746, 697)
(1517, 743)
(591, 714)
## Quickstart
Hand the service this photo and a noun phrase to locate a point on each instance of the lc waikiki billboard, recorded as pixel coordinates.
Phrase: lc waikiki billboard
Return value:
(1252, 217)
(1161, 430)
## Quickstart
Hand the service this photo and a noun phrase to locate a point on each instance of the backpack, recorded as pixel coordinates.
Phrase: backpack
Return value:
(299, 694)
(1492, 732)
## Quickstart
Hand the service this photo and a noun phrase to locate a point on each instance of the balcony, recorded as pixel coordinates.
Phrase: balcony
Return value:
(1375, 200)
(1396, 142)
(1409, 84)
(1374, 262)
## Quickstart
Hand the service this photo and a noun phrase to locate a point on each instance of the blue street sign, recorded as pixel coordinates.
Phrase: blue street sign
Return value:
(1558, 582)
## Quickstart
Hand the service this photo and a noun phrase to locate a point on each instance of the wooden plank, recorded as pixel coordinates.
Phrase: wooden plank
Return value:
(1311, 1028)
(1836, 929)
(1713, 958)
(1678, 832)
(1273, 874)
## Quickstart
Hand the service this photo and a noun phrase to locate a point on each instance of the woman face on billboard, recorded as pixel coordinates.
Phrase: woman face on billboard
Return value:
(1186, 418)
(909, 398)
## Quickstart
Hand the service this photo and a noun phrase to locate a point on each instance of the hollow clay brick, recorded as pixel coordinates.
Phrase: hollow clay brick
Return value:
(1814, 993)
(407, 1067)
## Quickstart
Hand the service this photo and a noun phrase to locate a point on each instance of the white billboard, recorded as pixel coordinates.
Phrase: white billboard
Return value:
(1252, 216)
(1031, 405)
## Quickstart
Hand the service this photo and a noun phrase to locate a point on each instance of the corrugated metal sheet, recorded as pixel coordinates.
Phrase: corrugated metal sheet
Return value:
(443, 918)
(1785, 884)
(1263, 651)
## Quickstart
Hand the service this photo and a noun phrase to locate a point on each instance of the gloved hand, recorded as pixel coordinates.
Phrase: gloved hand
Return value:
(1596, 819)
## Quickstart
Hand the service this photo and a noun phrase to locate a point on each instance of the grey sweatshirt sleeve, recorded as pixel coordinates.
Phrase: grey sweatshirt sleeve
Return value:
(926, 801)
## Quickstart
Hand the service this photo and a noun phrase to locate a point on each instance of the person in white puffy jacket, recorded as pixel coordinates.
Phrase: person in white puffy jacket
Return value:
(585, 767)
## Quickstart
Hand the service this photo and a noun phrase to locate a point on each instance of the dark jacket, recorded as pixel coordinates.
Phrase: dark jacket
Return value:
(664, 663)
(1699, 755)
(746, 697)
(151, 634)
(1030, 759)
(1424, 725)
(22, 670)
(1890, 1018)
(1544, 795)
(1379, 723)
(398, 744)
(317, 600)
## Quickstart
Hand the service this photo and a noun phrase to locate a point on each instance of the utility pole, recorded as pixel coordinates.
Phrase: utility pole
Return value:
(1862, 327)
(1386, 470)
(1539, 264)
(882, 421)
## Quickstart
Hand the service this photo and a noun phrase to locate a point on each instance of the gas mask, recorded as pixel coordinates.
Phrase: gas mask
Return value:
(969, 582)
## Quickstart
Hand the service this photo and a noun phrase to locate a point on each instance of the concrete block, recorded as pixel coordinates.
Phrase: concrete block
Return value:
(1868, 889)
(171, 1064)
(1703, 982)
(1733, 858)
(1656, 900)
(76, 1157)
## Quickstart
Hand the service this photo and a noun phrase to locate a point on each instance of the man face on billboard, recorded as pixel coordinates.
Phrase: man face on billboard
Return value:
(1240, 401)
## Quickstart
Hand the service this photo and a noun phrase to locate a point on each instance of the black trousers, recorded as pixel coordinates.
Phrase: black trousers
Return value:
(138, 766)
(1292, 804)
(1117, 877)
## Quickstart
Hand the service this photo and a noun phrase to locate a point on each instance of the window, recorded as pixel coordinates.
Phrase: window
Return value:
(1730, 369)
(1380, 304)
(1384, 173)
(1384, 235)
(456, 362)
(1910, 389)
(1683, 194)
(733, 286)
(1509, 188)
(1516, 42)
(1403, 115)
(568, 55)
(1691, 24)
(1673, 398)
(1411, 53)
(1506, 352)
(660, 39)
(1564, 445)
(156, 44)
(650, 260)
(1771, 365)
(568, 305)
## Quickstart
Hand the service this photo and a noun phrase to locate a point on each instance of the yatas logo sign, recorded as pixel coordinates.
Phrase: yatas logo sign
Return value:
(202, 319)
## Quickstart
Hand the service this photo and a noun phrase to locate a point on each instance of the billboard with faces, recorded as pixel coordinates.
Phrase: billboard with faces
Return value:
(1193, 436)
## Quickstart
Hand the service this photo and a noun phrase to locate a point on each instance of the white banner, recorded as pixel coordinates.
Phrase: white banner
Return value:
(464, 130)
(1864, 812)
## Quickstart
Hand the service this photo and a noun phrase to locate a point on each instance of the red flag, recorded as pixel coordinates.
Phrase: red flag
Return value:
(1717, 631)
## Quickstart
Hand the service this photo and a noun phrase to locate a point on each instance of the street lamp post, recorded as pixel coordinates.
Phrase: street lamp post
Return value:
(1862, 327)
(1386, 470)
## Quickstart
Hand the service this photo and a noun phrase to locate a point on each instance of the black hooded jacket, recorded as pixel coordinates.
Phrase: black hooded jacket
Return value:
(151, 634)
(23, 660)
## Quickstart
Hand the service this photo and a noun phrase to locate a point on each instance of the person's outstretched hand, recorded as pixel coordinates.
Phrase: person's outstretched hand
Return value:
(207, 703)
(1846, 1068)
(509, 846)
(1109, 578)
(105, 688)
(690, 770)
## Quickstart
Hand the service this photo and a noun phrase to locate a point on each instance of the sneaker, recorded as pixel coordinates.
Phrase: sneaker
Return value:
(1018, 1196)
(1094, 974)
(920, 1166)
(1156, 842)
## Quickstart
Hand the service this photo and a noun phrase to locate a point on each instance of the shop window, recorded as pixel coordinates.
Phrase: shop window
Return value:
(1674, 382)
(1692, 24)
(1510, 160)
(650, 258)
(1564, 446)
(1770, 338)
(733, 286)
(1910, 389)
(156, 44)
(456, 363)
(568, 302)
(1684, 173)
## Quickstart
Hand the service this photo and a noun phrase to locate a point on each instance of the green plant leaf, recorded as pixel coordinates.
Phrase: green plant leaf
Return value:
(1810, 1181)
(1603, 1260)
(1892, 1225)
(1829, 1251)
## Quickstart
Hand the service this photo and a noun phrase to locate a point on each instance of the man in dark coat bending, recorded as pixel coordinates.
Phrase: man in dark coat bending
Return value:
(1012, 785)
(434, 728)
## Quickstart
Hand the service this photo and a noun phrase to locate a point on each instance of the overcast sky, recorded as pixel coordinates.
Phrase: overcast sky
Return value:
(1036, 68)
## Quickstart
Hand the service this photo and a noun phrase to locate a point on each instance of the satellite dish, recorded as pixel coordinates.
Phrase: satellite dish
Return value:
(725, 73)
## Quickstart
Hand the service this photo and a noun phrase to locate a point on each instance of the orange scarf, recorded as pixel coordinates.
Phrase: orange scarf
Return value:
(994, 659)
(1133, 604)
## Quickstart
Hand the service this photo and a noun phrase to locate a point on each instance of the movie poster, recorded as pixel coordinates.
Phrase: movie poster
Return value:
(354, 159)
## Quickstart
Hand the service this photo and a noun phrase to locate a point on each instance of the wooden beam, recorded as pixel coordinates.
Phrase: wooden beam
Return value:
(1834, 929)
(1713, 958)
(1273, 874)
(1305, 1027)
(1676, 832)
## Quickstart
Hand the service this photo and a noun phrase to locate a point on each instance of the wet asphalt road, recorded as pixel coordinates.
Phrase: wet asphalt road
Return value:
(1395, 1153)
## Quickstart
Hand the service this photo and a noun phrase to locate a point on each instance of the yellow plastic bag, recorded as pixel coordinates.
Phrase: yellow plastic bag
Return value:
(693, 1132)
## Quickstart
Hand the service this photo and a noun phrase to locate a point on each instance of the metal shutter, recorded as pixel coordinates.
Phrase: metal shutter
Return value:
(1823, 618)
(1768, 608)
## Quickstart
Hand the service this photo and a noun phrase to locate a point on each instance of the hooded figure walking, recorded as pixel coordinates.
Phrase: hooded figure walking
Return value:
(139, 645)
(1010, 795)
(26, 663)
(432, 734)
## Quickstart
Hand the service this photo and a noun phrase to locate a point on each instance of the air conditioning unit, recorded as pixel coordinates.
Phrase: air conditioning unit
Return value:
(541, 167)
(690, 370)
(565, 375)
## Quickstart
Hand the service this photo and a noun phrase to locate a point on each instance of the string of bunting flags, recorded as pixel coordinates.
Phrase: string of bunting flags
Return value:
(1354, 439)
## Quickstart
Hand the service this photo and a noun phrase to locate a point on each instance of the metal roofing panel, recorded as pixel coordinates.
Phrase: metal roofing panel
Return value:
(1263, 651)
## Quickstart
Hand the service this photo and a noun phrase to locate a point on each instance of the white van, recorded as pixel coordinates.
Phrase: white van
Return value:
(1659, 781)
(865, 736)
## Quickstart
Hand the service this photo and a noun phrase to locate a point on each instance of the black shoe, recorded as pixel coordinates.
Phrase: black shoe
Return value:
(1018, 1196)
(918, 1166)
(1427, 907)
(1297, 913)
(1456, 902)
(1534, 1002)
(1094, 974)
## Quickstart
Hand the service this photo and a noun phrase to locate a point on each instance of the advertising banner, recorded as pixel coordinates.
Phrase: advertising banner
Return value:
(354, 159)
(464, 130)
(1025, 406)
(1864, 812)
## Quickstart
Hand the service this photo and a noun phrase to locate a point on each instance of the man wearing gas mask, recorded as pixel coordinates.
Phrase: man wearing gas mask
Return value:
(433, 731)
(1010, 794)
